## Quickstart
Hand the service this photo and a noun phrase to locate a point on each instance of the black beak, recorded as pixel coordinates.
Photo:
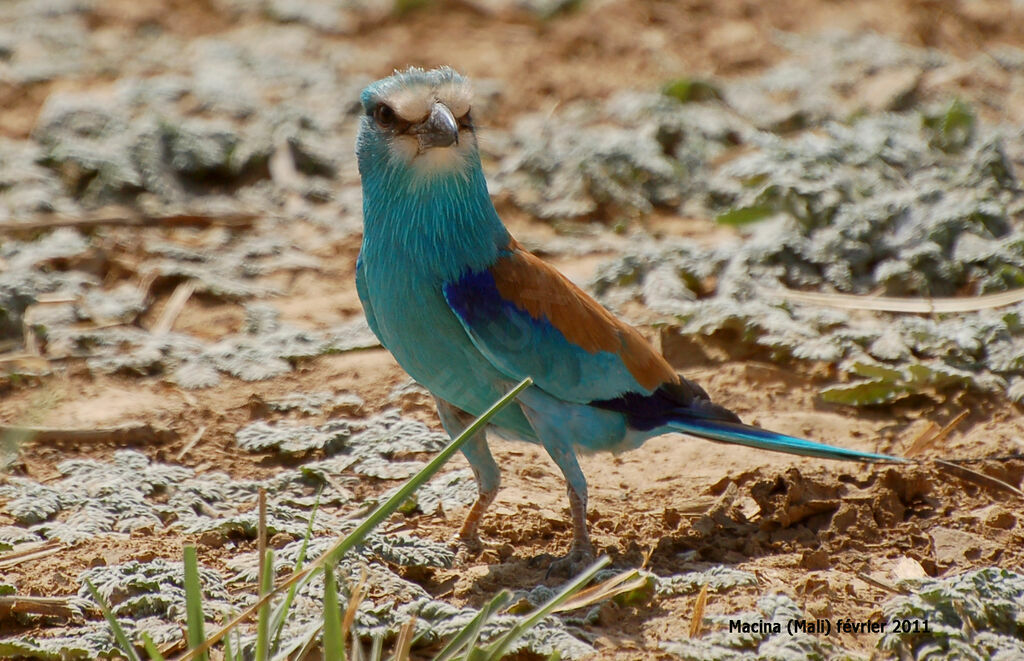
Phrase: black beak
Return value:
(438, 130)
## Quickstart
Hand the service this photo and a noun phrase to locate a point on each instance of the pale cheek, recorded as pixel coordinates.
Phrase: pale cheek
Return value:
(443, 159)
(404, 148)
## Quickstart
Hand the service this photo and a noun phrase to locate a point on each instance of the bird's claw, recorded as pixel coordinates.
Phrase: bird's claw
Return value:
(579, 558)
(467, 547)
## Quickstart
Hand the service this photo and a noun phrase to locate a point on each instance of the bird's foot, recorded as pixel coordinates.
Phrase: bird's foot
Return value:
(467, 547)
(579, 557)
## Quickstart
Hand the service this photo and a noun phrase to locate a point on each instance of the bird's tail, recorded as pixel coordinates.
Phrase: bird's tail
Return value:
(755, 437)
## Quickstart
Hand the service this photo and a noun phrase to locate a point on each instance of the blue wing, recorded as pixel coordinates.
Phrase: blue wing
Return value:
(527, 319)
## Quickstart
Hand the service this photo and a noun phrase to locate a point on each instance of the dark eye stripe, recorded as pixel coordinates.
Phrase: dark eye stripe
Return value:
(386, 117)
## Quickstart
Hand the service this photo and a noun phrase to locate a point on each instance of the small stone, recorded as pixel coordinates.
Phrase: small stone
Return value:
(1001, 520)
(815, 560)
(734, 43)
(908, 568)
(815, 584)
(280, 540)
(258, 407)
(891, 90)
(212, 539)
(955, 546)
(820, 608)
(671, 517)
(551, 517)
(348, 404)
(998, 518)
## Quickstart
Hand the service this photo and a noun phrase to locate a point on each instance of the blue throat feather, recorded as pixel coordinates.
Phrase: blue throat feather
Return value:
(441, 228)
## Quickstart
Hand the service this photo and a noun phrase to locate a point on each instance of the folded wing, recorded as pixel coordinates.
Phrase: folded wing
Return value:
(528, 319)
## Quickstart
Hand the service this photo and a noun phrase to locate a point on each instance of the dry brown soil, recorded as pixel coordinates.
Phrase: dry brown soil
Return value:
(820, 525)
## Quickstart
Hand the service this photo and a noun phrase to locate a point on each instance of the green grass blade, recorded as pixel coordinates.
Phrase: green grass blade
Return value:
(281, 610)
(263, 618)
(388, 507)
(239, 648)
(495, 605)
(497, 649)
(377, 650)
(334, 645)
(119, 635)
(229, 653)
(150, 647)
(466, 639)
(194, 620)
(305, 645)
(380, 514)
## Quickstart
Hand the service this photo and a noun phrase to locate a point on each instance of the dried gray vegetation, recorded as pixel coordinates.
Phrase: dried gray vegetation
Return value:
(854, 192)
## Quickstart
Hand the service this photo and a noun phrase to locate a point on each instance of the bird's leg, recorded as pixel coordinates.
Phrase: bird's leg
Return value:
(581, 543)
(485, 470)
(582, 552)
(468, 533)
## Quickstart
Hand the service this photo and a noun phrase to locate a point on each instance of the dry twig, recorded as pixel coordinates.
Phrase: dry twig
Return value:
(130, 219)
(11, 605)
(950, 426)
(28, 552)
(353, 604)
(25, 361)
(175, 304)
(978, 478)
(129, 432)
(627, 581)
(932, 435)
(697, 621)
(191, 443)
(405, 638)
(881, 583)
(895, 304)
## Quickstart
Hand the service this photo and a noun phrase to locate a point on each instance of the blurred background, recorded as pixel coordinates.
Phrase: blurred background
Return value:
(104, 101)
(180, 218)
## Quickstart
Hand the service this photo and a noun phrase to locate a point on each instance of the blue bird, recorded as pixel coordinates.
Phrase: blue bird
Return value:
(468, 312)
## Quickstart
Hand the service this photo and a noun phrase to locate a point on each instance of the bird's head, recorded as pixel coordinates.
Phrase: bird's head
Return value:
(417, 122)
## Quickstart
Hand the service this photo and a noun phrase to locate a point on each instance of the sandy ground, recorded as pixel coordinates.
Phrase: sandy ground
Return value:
(805, 527)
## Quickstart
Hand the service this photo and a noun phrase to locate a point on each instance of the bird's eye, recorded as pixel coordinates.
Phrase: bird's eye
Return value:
(384, 115)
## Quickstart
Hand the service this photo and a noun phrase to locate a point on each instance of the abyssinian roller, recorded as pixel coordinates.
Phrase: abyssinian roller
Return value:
(468, 312)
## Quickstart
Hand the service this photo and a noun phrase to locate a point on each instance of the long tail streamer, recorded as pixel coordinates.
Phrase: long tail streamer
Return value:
(755, 437)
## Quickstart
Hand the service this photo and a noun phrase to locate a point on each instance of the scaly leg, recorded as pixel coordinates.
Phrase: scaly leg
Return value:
(485, 470)
(582, 552)
(552, 431)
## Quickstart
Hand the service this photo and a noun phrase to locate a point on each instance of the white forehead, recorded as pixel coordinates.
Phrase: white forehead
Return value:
(412, 102)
